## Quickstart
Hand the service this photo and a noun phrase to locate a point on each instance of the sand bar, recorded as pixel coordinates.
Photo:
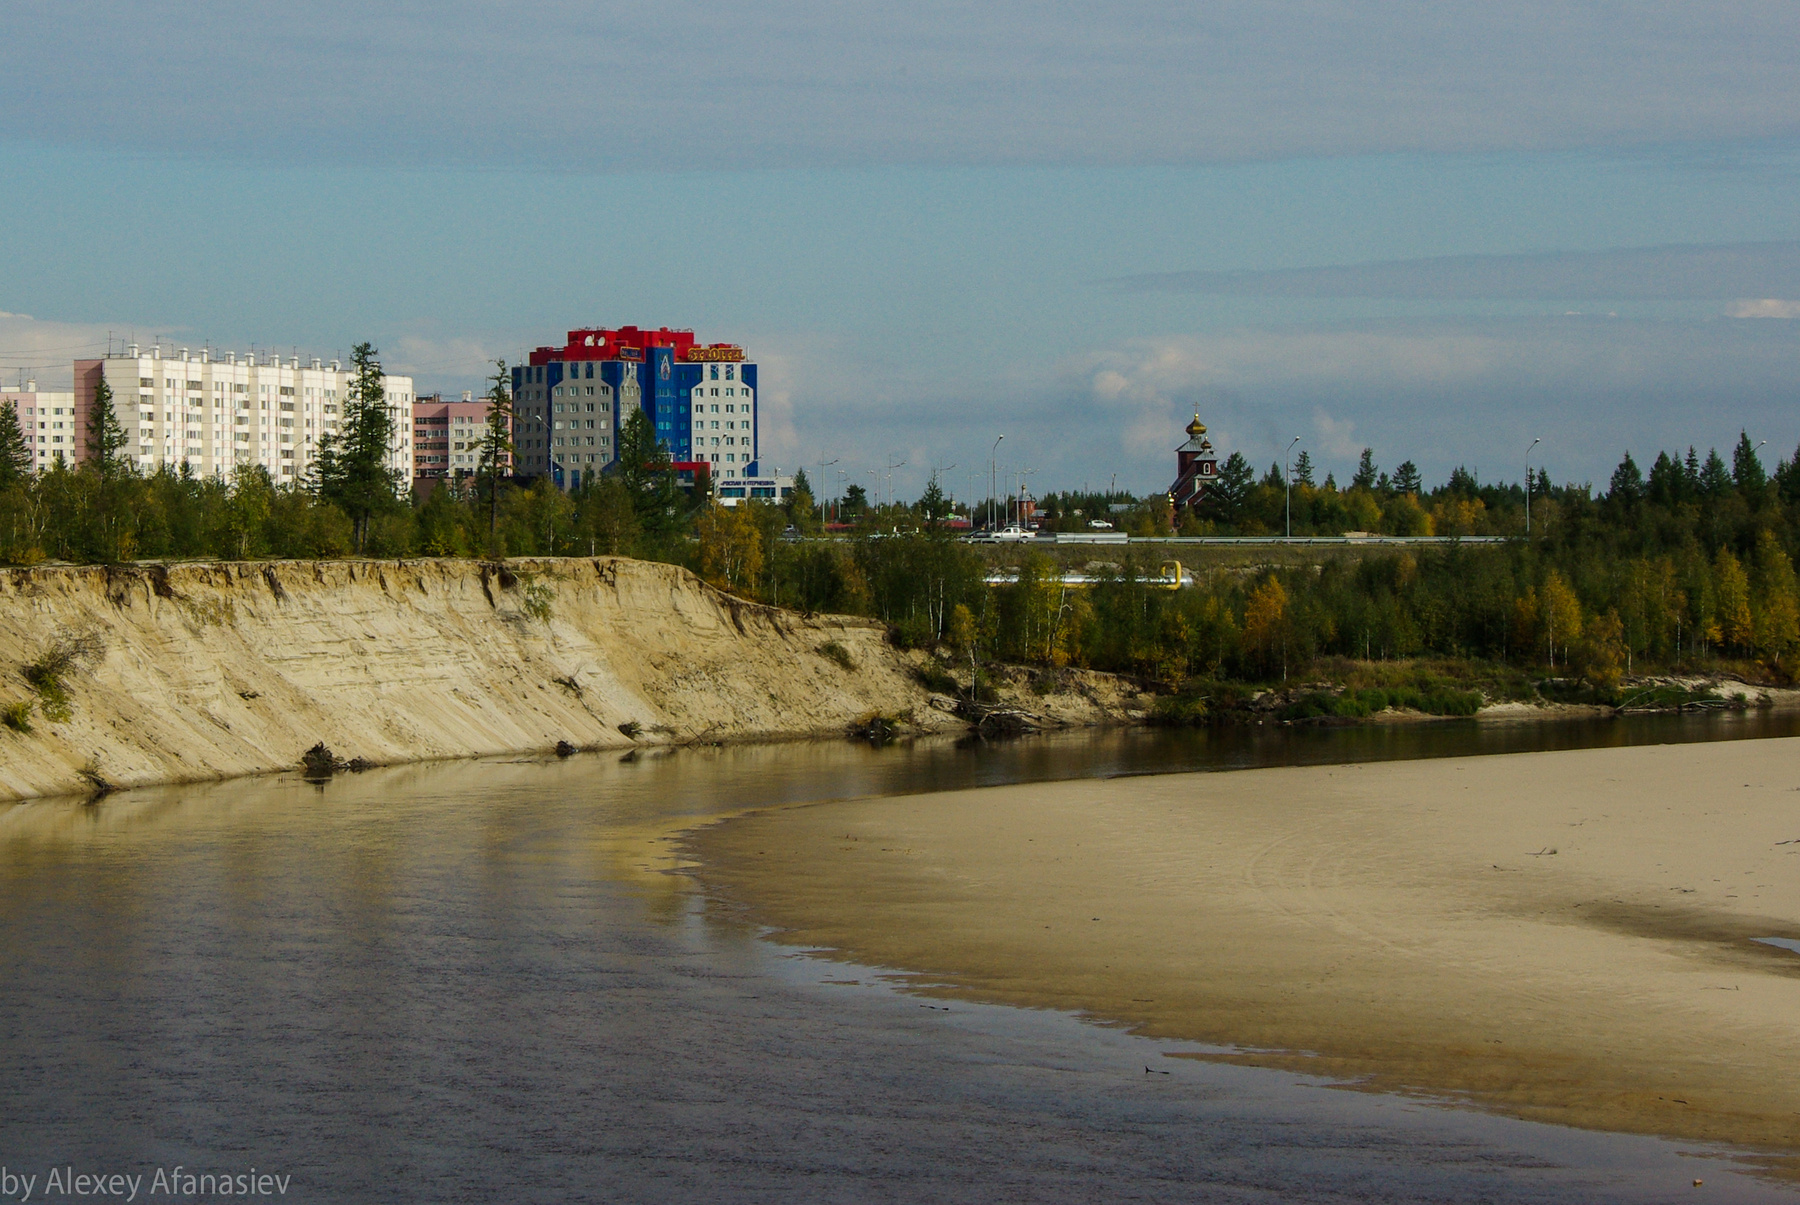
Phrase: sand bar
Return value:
(1563, 936)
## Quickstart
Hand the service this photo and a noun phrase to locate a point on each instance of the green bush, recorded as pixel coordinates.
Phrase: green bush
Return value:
(17, 716)
(537, 602)
(831, 650)
(1359, 704)
(935, 678)
(46, 674)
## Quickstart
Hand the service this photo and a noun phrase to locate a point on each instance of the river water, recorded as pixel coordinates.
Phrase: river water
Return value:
(482, 982)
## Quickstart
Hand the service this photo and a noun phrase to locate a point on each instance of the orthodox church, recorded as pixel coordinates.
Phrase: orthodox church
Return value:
(1196, 468)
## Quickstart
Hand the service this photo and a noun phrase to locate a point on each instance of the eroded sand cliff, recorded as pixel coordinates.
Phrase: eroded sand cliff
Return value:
(212, 670)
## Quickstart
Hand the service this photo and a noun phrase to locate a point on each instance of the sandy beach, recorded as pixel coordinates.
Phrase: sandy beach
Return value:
(1563, 936)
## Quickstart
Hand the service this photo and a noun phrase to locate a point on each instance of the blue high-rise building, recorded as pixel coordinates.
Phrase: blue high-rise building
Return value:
(571, 402)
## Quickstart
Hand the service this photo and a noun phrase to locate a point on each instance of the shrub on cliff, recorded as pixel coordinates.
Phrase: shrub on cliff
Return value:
(17, 716)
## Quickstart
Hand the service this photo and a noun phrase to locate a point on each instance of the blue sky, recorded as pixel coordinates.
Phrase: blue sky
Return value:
(1438, 230)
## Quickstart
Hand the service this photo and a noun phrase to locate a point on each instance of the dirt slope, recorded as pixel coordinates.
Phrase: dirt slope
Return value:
(212, 670)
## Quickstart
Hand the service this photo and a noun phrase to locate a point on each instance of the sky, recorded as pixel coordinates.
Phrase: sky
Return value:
(1438, 230)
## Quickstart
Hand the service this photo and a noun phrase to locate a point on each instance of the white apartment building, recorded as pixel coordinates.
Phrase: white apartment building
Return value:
(216, 410)
(47, 420)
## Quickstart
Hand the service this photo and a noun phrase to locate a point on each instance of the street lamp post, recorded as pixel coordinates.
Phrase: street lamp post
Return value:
(1287, 474)
(1534, 443)
(993, 478)
(823, 465)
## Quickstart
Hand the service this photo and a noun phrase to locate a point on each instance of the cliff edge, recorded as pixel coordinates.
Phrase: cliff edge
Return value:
(199, 671)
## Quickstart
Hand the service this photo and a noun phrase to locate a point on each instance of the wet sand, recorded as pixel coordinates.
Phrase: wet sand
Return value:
(1565, 936)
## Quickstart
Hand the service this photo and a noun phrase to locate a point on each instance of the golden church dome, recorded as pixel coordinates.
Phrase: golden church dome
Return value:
(1196, 427)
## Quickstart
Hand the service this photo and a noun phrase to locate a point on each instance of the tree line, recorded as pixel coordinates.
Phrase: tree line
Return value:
(1688, 565)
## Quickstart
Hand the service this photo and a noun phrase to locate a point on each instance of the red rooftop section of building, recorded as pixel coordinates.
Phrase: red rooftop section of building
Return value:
(630, 343)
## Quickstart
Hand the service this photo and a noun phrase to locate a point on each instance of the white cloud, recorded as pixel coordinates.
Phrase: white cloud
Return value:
(1336, 436)
(435, 363)
(46, 351)
(1765, 307)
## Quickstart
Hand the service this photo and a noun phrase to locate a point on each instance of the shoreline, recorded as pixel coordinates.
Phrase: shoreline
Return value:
(657, 745)
(1516, 941)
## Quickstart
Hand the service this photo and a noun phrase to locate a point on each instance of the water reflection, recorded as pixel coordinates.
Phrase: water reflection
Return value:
(482, 982)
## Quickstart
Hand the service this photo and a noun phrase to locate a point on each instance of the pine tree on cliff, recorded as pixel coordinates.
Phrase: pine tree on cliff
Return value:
(104, 434)
(496, 444)
(352, 464)
(15, 457)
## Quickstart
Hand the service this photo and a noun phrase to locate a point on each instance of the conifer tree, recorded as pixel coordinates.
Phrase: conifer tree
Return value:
(1627, 484)
(648, 473)
(1303, 469)
(1365, 471)
(1225, 497)
(1747, 471)
(1406, 478)
(1667, 485)
(104, 434)
(641, 454)
(855, 501)
(932, 503)
(496, 444)
(15, 457)
(352, 465)
(1787, 478)
(1715, 481)
(801, 507)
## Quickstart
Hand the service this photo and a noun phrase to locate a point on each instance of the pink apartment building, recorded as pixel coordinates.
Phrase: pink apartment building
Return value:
(446, 437)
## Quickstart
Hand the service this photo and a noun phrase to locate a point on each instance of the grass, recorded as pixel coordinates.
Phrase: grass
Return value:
(536, 602)
(831, 650)
(48, 672)
(17, 716)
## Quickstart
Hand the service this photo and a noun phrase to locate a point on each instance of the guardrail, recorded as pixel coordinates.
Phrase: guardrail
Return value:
(1082, 537)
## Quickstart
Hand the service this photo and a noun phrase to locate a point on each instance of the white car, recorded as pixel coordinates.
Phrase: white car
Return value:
(1099, 525)
(1012, 533)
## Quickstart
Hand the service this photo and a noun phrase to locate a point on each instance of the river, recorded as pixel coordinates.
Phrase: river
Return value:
(489, 982)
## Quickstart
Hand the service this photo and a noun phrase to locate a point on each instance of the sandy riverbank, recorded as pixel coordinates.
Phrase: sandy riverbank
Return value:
(218, 670)
(1562, 936)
